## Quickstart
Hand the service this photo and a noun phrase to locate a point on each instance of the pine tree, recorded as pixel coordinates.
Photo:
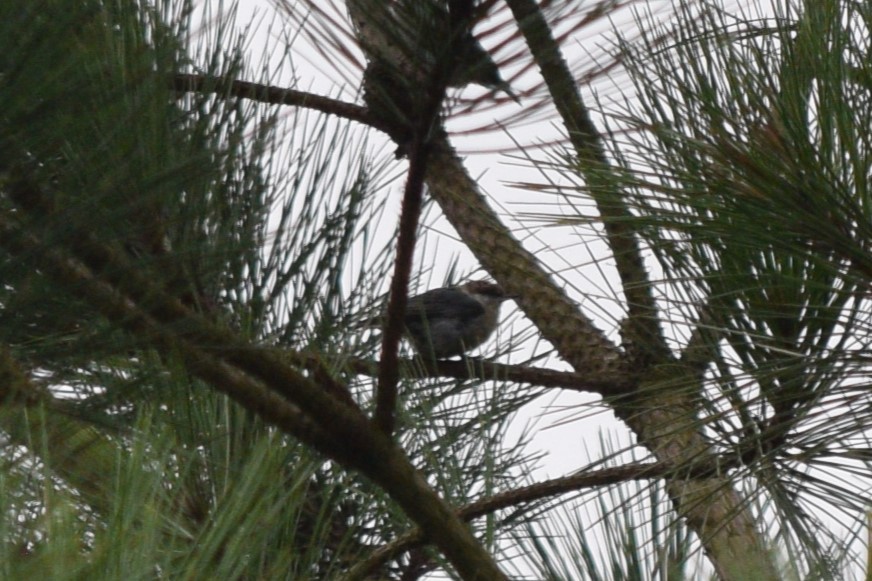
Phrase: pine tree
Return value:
(192, 256)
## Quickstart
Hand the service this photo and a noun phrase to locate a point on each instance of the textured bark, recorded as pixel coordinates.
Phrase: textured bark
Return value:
(661, 413)
(660, 408)
(558, 318)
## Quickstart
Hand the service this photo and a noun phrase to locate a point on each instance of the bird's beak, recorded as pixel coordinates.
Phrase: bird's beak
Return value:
(508, 91)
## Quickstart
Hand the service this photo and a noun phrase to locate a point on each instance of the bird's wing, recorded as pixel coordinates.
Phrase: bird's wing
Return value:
(442, 303)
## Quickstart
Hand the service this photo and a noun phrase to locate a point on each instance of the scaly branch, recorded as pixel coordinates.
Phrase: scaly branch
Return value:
(664, 417)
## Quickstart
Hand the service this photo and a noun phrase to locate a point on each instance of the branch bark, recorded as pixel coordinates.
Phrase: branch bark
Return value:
(255, 378)
(664, 417)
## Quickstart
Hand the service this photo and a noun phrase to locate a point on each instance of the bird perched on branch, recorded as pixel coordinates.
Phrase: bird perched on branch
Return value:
(470, 62)
(450, 321)
(414, 46)
(435, 37)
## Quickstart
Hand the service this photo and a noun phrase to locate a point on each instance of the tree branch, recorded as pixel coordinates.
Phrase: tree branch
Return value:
(386, 394)
(476, 368)
(642, 329)
(273, 95)
(253, 377)
(540, 491)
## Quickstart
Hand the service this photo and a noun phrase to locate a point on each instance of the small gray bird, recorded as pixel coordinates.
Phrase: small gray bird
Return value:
(451, 321)
(425, 33)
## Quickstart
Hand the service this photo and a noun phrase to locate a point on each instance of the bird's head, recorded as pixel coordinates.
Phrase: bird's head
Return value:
(487, 293)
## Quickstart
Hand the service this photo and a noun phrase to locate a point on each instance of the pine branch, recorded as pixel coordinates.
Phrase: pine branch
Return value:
(273, 95)
(253, 377)
(547, 489)
(642, 334)
(475, 368)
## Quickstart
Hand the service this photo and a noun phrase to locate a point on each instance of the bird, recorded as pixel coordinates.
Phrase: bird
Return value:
(433, 25)
(478, 68)
(450, 321)
(431, 39)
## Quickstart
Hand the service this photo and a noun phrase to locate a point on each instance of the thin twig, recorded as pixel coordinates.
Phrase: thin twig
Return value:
(274, 95)
(540, 491)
